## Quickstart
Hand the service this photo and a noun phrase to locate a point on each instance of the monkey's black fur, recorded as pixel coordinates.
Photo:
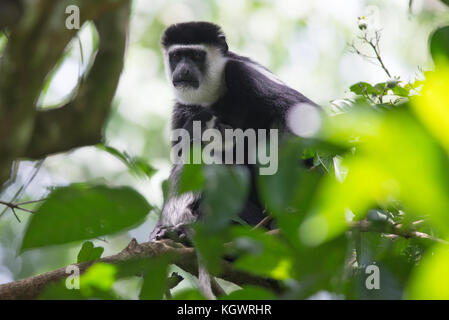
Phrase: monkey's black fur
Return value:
(253, 99)
(194, 33)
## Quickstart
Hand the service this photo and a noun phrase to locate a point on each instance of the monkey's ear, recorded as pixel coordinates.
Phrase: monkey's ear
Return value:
(222, 42)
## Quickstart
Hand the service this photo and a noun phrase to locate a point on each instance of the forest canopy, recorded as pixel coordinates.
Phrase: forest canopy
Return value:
(84, 154)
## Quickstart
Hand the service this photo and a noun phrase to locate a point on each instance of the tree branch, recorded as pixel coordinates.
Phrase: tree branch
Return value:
(375, 46)
(393, 230)
(80, 122)
(14, 206)
(183, 257)
(186, 259)
(10, 13)
(35, 45)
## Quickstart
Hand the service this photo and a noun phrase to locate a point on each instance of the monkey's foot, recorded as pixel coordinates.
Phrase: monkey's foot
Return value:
(178, 233)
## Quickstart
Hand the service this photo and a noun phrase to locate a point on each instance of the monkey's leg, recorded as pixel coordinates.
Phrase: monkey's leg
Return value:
(178, 214)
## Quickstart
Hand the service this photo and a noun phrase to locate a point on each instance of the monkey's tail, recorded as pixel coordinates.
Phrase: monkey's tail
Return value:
(207, 284)
(205, 281)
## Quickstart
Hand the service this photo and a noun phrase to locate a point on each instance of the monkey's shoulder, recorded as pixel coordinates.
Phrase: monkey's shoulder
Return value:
(248, 80)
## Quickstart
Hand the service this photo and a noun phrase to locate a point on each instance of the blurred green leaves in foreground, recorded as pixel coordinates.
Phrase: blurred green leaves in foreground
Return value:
(79, 212)
(381, 172)
(377, 196)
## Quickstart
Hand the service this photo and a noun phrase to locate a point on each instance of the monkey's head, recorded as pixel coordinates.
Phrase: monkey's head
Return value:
(195, 55)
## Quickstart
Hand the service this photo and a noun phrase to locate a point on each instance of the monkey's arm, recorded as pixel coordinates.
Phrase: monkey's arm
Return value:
(179, 210)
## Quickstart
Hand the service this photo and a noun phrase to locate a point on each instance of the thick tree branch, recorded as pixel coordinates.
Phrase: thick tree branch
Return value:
(10, 12)
(35, 45)
(183, 257)
(186, 259)
(80, 122)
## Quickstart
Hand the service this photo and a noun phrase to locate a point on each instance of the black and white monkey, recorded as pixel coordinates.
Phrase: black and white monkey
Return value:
(220, 88)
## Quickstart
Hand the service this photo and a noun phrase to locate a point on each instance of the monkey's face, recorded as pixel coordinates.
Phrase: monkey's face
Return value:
(187, 67)
(195, 73)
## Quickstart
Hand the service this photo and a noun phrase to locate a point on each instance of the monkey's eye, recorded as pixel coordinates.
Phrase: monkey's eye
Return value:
(199, 55)
(174, 56)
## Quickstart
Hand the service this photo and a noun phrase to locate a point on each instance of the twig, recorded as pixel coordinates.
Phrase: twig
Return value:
(13, 206)
(385, 89)
(375, 47)
(393, 231)
(30, 201)
(374, 44)
(22, 189)
(15, 214)
(173, 281)
(265, 221)
(410, 6)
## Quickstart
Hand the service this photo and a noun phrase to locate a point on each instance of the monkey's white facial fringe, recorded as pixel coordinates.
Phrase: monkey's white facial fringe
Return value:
(212, 86)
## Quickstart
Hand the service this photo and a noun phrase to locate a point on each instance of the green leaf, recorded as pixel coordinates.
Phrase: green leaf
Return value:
(264, 255)
(380, 88)
(165, 185)
(224, 198)
(155, 280)
(141, 168)
(291, 187)
(250, 293)
(439, 44)
(113, 151)
(80, 212)
(431, 105)
(192, 178)
(101, 276)
(95, 283)
(430, 279)
(225, 195)
(136, 165)
(380, 170)
(210, 247)
(88, 252)
(400, 91)
(361, 88)
(188, 294)
(58, 291)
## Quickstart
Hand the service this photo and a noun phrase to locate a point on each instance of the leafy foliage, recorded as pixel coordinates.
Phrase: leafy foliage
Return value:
(375, 197)
(80, 212)
(89, 252)
(250, 293)
(136, 165)
(439, 44)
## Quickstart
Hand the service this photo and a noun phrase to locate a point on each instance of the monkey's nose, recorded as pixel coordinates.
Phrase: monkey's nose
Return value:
(185, 77)
(185, 73)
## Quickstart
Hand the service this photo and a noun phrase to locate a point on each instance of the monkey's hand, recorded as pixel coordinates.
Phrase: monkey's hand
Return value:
(178, 233)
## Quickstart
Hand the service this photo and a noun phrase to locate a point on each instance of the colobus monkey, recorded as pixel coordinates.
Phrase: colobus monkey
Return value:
(217, 87)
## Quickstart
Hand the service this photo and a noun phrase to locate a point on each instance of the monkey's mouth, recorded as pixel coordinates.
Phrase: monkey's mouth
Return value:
(186, 83)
